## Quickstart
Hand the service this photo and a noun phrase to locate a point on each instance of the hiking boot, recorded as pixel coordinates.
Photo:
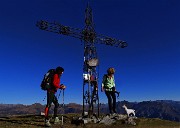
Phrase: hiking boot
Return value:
(47, 123)
(56, 120)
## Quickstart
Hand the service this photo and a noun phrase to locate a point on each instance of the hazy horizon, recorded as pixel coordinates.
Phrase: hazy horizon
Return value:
(148, 69)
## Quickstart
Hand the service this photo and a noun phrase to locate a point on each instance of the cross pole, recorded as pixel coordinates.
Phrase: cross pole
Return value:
(90, 70)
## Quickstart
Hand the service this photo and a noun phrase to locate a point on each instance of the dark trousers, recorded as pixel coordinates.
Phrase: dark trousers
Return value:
(51, 98)
(111, 101)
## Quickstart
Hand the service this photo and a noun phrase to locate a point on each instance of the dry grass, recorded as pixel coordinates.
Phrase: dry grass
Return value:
(33, 121)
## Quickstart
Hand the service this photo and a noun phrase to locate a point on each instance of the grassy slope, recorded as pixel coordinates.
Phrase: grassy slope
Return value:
(156, 123)
(37, 122)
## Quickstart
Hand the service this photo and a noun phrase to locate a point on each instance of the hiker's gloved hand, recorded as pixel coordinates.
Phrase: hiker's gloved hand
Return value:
(113, 89)
(62, 86)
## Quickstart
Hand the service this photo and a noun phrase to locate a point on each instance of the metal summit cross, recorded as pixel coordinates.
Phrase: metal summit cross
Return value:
(90, 72)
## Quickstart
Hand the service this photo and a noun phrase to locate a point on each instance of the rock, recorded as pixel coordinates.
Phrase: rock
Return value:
(131, 121)
(107, 120)
(122, 117)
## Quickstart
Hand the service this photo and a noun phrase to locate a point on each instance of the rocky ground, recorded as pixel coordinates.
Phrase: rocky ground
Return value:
(37, 121)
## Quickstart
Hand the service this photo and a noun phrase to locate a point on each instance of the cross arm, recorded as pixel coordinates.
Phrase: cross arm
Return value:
(101, 39)
(87, 35)
(59, 29)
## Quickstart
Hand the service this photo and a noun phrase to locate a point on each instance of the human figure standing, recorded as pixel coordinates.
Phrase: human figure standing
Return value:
(51, 98)
(108, 85)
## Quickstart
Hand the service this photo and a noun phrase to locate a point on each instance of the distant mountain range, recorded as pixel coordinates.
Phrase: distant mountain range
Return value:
(163, 109)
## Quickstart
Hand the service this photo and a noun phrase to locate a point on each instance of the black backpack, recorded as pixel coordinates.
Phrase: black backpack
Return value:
(47, 81)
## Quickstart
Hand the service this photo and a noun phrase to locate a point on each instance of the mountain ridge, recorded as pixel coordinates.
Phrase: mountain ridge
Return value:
(162, 109)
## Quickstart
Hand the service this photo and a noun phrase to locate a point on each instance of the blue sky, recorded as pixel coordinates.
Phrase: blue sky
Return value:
(148, 69)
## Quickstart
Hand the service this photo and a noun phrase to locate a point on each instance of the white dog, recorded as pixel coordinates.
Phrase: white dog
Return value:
(129, 111)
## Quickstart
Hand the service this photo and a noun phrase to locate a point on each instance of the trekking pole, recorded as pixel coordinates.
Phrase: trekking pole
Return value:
(59, 94)
(63, 109)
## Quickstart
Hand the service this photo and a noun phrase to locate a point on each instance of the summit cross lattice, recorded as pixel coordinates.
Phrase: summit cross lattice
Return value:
(90, 66)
